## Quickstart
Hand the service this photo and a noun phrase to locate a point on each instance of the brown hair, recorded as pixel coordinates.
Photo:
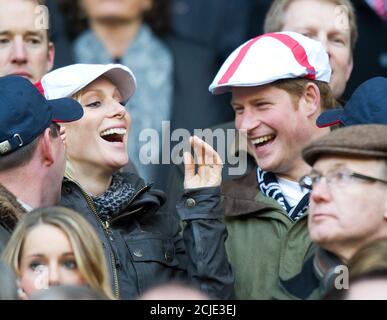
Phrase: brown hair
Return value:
(274, 20)
(296, 87)
(23, 155)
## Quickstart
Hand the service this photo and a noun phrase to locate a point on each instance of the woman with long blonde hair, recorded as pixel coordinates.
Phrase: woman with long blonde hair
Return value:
(56, 246)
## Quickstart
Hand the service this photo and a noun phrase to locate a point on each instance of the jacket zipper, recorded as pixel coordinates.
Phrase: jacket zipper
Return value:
(108, 232)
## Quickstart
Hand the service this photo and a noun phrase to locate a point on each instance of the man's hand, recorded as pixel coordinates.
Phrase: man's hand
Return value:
(209, 166)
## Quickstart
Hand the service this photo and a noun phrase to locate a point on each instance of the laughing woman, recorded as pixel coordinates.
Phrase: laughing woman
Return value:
(142, 243)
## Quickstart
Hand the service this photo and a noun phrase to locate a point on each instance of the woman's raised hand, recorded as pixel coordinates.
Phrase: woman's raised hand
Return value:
(209, 173)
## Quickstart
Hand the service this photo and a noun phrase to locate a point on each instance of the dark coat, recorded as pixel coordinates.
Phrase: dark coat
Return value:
(370, 54)
(144, 247)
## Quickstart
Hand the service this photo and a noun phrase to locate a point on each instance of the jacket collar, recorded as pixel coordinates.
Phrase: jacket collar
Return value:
(325, 263)
(10, 209)
(240, 195)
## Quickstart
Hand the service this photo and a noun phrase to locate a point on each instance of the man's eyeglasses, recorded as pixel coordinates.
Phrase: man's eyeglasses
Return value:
(338, 178)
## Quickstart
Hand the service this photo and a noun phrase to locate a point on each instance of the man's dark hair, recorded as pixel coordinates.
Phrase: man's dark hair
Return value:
(23, 155)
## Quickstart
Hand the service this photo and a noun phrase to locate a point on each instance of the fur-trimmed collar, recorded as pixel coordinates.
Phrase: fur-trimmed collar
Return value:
(10, 209)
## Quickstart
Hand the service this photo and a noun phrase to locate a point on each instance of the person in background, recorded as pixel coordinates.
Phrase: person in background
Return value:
(32, 153)
(331, 22)
(25, 49)
(142, 242)
(54, 246)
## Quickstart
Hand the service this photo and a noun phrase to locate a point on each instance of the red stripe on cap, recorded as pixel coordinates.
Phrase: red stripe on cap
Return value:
(329, 124)
(298, 52)
(39, 86)
(296, 48)
(238, 60)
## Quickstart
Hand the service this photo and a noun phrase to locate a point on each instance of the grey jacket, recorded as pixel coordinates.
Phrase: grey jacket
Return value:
(144, 246)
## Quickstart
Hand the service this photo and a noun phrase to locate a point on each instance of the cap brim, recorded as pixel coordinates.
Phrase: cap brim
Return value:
(330, 118)
(123, 79)
(65, 110)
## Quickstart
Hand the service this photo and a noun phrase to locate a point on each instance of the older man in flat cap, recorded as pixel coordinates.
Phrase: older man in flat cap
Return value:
(348, 203)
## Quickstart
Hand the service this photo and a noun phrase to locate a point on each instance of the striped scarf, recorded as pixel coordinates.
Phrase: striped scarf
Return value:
(269, 186)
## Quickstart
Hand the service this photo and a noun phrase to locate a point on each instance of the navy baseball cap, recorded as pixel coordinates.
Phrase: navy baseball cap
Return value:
(367, 105)
(25, 113)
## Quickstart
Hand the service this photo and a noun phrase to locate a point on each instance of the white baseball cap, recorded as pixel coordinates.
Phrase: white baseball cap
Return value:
(66, 81)
(271, 57)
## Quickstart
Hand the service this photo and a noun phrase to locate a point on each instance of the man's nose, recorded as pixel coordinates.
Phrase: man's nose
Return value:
(19, 52)
(320, 191)
(249, 121)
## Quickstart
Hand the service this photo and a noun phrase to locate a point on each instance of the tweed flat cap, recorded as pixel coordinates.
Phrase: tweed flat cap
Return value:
(362, 141)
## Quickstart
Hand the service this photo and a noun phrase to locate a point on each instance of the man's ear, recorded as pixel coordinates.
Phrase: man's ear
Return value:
(310, 100)
(50, 56)
(349, 70)
(46, 148)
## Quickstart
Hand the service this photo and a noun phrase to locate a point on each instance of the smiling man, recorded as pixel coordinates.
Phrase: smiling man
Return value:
(279, 85)
(25, 49)
(332, 22)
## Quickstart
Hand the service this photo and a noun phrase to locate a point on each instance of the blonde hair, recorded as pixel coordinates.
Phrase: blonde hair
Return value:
(87, 247)
(69, 172)
(275, 17)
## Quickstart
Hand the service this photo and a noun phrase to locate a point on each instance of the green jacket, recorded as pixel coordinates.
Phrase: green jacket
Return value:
(264, 245)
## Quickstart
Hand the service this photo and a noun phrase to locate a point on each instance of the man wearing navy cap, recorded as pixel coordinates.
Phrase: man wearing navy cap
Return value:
(32, 154)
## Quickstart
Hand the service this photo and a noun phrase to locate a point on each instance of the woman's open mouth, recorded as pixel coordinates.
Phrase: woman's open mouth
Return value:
(113, 135)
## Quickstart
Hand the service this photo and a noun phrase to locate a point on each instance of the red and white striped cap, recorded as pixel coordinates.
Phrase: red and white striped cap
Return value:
(270, 57)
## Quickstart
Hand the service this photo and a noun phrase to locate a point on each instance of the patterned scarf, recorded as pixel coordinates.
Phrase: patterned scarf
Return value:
(269, 186)
(115, 198)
